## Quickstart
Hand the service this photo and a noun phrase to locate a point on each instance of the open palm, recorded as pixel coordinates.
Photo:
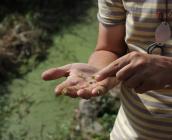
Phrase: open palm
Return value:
(80, 80)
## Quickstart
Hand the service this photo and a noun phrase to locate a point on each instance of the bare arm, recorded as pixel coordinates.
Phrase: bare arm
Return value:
(79, 82)
(110, 45)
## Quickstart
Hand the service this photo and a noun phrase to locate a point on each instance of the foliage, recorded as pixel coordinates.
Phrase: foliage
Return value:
(95, 118)
(19, 40)
(49, 14)
(49, 115)
(27, 28)
(20, 106)
(42, 21)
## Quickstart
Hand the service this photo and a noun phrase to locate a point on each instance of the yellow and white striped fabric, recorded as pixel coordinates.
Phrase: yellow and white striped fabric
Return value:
(145, 116)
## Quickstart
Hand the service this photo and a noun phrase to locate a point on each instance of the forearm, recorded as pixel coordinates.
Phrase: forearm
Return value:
(102, 58)
(110, 45)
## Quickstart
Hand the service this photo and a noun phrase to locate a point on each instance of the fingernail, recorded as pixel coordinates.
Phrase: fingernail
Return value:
(64, 91)
(97, 77)
(57, 91)
(93, 92)
(43, 76)
(79, 92)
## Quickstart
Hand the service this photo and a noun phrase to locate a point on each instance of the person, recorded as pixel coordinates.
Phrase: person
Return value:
(144, 74)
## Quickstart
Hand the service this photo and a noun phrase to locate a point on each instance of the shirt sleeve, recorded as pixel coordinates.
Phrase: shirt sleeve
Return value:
(111, 12)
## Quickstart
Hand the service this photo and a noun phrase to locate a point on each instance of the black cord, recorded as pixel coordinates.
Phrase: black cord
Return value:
(155, 46)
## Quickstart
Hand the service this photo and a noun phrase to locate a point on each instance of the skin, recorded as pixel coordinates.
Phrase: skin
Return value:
(110, 46)
(80, 81)
(141, 72)
(111, 65)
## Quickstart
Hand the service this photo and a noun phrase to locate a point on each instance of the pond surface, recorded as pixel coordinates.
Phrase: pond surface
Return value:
(34, 113)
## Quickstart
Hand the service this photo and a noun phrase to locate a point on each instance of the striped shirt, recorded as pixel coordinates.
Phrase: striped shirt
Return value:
(145, 116)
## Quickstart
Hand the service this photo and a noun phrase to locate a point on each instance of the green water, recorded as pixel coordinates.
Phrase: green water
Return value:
(37, 114)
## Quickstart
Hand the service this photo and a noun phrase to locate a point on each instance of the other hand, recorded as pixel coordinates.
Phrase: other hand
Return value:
(140, 71)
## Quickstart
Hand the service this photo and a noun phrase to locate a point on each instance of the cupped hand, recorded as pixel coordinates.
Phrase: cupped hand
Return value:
(141, 72)
(80, 81)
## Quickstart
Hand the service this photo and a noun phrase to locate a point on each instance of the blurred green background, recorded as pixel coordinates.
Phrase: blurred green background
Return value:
(36, 35)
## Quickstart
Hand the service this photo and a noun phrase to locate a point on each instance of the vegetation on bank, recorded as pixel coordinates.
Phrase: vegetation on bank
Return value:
(27, 29)
(29, 110)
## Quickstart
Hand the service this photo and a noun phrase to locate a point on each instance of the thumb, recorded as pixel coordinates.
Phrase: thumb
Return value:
(55, 73)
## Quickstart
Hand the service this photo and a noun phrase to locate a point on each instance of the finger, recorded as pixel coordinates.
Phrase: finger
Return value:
(125, 73)
(99, 90)
(150, 83)
(112, 68)
(135, 80)
(71, 91)
(55, 73)
(108, 83)
(146, 85)
(141, 88)
(84, 93)
(64, 85)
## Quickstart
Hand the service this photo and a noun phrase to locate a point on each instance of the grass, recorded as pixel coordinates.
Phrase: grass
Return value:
(41, 115)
